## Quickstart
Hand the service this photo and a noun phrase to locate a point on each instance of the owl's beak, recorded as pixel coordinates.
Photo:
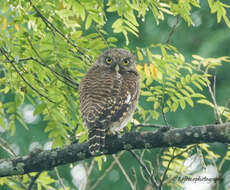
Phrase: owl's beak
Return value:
(117, 67)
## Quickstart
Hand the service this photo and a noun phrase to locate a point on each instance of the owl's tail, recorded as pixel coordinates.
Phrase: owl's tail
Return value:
(96, 140)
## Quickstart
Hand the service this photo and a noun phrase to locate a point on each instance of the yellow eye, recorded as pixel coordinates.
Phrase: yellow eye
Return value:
(125, 62)
(108, 60)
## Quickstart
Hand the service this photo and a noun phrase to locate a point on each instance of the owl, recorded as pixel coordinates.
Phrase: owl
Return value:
(109, 94)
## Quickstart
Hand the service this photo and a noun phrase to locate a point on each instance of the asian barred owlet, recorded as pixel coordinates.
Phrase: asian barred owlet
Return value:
(108, 95)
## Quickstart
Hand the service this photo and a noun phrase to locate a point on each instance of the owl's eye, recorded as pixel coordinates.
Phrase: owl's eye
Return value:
(108, 60)
(125, 62)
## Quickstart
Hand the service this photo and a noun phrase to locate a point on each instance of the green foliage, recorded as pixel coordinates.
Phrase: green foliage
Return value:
(173, 161)
(47, 46)
(170, 82)
(220, 9)
(183, 8)
(184, 162)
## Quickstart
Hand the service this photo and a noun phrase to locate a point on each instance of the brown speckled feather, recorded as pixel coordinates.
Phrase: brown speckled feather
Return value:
(107, 101)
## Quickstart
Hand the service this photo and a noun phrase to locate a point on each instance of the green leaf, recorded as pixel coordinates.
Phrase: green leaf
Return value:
(185, 92)
(12, 127)
(206, 102)
(146, 93)
(150, 99)
(99, 160)
(174, 106)
(117, 24)
(149, 55)
(2, 122)
(190, 102)
(182, 103)
(156, 105)
(39, 109)
(197, 95)
(155, 114)
(22, 122)
(165, 109)
(77, 34)
(88, 22)
(197, 85)
(139, 55)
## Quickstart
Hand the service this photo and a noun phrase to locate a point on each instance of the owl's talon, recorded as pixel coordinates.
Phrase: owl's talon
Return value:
(165, 128)
(113, 133)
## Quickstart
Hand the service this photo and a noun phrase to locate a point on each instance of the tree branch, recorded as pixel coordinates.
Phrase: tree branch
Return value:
(52, 27)
(146, 170)
(66, 79)
(47, 160)
(12, 62)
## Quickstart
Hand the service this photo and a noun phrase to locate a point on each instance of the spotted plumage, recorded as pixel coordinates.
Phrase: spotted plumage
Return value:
(108, 95)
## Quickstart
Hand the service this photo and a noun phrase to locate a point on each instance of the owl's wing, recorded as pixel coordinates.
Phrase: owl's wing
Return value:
(98, 90)
(127, 98)
(106, 97)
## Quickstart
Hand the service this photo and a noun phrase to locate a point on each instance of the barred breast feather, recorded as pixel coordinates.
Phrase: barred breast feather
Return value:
(107, 101)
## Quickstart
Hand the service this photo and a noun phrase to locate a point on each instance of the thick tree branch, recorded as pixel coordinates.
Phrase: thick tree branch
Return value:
(47, 160)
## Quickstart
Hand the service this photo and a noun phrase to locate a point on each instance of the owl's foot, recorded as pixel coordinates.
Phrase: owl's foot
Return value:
(113, 133)
(165, 128)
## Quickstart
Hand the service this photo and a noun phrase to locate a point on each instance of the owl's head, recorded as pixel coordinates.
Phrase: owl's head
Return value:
(118, 59)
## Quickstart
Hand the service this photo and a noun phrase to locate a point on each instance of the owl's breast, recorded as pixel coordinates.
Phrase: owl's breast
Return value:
(98, 95)
(108, 98)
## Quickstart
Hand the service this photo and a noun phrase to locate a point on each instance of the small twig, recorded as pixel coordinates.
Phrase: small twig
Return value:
(149, 125)
(158, 161)
(172, 30)
(19, 181)
(223, 159)
(89, 63)
(104, 174)
(102, 37)
(163, 104)
(133, 171)
(212, 93)
(33, 48)
(33, 181)
(45, 65)
(52, 27)
(198, 149)
(152, 179)
(67, 78)
(167, 42)
(124, 172)
(169, 163)
(59, 178)
(90, 167)
(22, 77)
(73, 137)
(164, 118)
(141, 169)
(214, 85)
(7, 148)
(166, 170)
(4, 148)
(226, 109)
